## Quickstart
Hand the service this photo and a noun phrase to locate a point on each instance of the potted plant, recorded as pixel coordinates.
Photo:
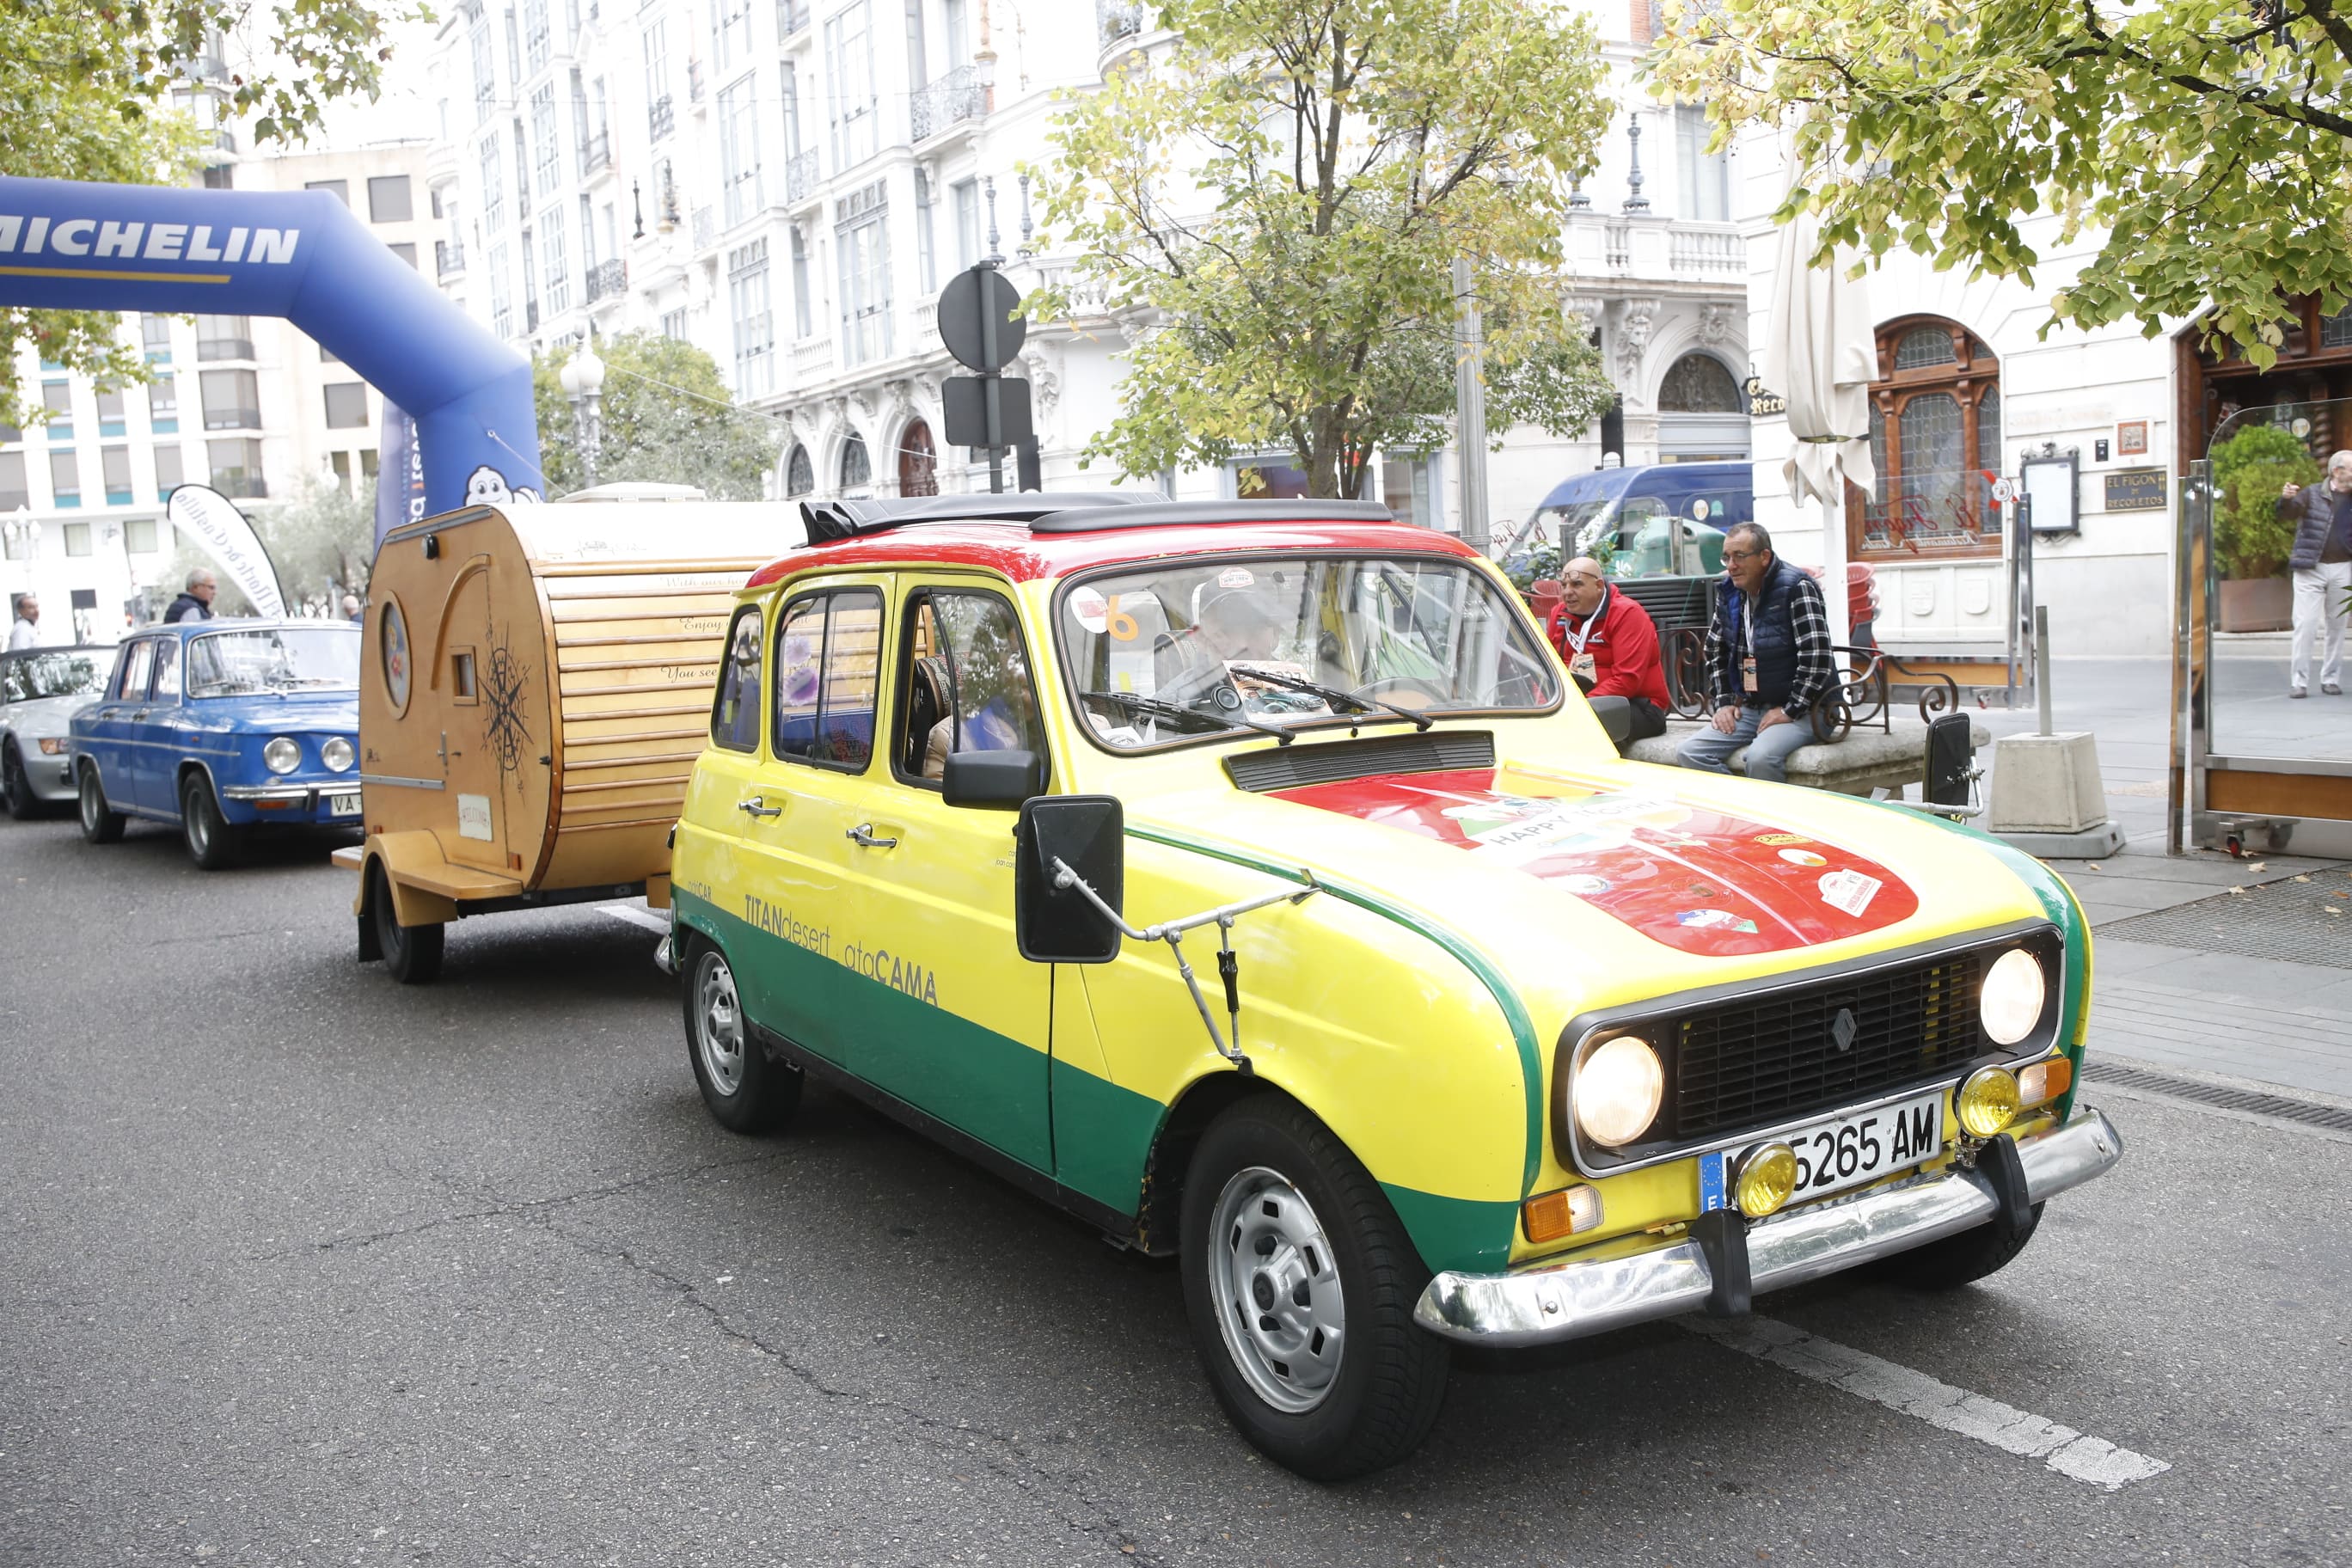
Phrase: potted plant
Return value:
(2251, 539)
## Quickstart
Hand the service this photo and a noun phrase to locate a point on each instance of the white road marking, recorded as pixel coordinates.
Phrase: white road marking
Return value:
(2019, 1432)
(636, 917)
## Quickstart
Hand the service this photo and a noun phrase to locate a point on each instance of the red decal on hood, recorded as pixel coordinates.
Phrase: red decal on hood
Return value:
(1688, 876)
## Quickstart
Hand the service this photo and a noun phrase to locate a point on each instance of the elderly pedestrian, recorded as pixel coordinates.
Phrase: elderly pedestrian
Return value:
(1768, 660)
(1611, 646)
(195, 601)
(353, 610)
(25, 630)
(2321, 563)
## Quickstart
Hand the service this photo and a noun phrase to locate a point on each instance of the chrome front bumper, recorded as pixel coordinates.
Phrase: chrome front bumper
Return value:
(1545, 1304)
(307, 793)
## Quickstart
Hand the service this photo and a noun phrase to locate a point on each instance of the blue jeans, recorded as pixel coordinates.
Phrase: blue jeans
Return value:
(1767, 753)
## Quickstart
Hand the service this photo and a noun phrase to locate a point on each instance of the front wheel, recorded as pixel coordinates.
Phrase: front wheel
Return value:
(412, 954)
(101, 823)
(1299, 1282)
(213, 843)
(23, 804)
(1962, 1259)
(746, 1089)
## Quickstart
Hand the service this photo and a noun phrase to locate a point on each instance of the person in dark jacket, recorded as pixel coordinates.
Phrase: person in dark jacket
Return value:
(1768, 660)
(1611, 646)
(195, 601)
(2321, 563)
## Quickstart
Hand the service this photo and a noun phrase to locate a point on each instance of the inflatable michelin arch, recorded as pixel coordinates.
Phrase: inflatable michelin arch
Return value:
(300, 255)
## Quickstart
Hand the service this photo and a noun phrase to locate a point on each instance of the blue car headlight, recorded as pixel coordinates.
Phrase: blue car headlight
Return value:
(281, 755)
(336, 754)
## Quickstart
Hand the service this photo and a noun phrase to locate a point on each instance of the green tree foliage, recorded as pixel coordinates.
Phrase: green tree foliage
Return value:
(1280, 196)
(2207, 140)
(2250, 538)
(87, 83)
(322, 542)
(668, 418)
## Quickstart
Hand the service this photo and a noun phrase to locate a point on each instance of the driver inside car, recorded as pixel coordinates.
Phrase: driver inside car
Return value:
(1211, 662)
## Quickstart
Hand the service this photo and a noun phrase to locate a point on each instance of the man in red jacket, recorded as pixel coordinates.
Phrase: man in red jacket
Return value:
(1611, 646)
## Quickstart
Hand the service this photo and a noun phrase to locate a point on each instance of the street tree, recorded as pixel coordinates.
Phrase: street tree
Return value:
(2206, 145)
(667, 417)
(88, 84)
(1277, 198)
(320, 542)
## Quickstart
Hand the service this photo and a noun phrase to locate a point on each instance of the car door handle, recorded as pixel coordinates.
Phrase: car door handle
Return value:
(755, 806)
(863, 837)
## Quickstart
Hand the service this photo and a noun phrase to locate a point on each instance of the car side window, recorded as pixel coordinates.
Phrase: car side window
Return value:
(735, 715)
(137, 663)
(14, 687)
(828, 673)
(964, 684)
(167, 669)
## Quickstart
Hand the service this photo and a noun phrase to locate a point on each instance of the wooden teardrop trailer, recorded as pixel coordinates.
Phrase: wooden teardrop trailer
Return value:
(535, 687)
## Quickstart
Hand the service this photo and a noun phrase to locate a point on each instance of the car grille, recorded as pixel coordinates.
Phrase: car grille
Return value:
(1775, 1058)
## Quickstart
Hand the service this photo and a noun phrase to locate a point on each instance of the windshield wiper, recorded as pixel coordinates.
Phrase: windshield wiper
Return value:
(1159, 710)
(1334, 695)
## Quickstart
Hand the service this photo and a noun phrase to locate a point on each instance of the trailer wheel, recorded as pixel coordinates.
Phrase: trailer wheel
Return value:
(411, 953)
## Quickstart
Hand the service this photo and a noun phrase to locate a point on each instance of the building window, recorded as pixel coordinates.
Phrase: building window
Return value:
(65, 480)
(1706, 177)
(792, 16)
(114, 469)
(340, 465)
(237, 469)
(485, 70)
(659, 115)
(224, 337)
(388, 199)
(494, 215)
(339, 189)
(1698, 383)
(748, 307)
(168, 472)
(529, 285)
(232, 400)
(109, 411)
(76, 538)
(927, 266)
(155, 335)
(958, 34)
(800, 474)
(550, 162)
(849, 62)
(56, 400)
(919, 462)
(534, 34)
(855, 470)
(1935, 433)
(559, 282)
(862, 256)
(673, 324)
(347, 406)
(405, 250)
(139, 536)
(731, 31)
(803, 307)
(738, 150)
(967, 221)
(501, 299)
(16, 492)
(163, 405)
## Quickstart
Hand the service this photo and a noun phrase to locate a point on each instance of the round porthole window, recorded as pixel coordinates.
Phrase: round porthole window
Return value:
(392, 647)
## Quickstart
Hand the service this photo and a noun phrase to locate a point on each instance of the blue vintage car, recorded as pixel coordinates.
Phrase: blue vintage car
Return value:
(223, 727)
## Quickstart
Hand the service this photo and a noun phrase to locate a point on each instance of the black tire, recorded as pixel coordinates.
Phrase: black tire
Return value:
(412, 954)
(15, 787)
(1256, 1163)
(1961, 1259)
(101, 823)
(746, 1089)
(213, 843)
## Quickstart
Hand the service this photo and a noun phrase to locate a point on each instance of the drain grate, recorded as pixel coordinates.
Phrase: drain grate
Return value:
(2213, 1094)
(2284, 920)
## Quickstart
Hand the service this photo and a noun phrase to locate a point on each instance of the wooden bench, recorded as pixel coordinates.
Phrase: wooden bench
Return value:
(1865, 760)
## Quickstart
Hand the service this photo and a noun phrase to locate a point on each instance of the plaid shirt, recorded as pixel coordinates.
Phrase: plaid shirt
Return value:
(1816, 667)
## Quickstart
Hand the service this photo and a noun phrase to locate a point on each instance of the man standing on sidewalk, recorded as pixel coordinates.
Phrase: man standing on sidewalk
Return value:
(1768, 660)
(2322, 563)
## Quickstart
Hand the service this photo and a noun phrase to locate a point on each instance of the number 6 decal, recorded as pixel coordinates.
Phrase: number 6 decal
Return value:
(1118, 623)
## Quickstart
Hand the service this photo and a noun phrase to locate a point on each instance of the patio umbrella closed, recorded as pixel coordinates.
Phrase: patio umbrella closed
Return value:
(1821, 355)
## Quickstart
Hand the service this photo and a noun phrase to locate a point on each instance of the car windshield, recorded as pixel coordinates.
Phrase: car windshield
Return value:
(1190, 647)
(234, 664)
(53, 674)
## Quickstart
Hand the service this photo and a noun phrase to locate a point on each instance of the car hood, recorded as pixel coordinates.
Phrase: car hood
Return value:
(331, 712)
(45, 715)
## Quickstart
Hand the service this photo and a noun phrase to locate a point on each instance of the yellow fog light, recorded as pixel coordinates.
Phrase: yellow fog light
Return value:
(2046, 1081)
(1768, 1175)
(1988, 1101)
(1571, 1210)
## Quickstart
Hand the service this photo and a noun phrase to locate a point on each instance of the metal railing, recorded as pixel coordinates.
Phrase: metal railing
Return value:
(209, 350)
(449, 257)
(660, 118)
(1118, 20)
(597, 153)
(801, 176)
(949, 100)
(607, 279)
(694, 87)
(792, 16)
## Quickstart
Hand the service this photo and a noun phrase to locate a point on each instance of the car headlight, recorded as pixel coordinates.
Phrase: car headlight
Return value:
(281, 755)
(1618, 1089)
(2011, 1000)
(53, 745)
(336, 754)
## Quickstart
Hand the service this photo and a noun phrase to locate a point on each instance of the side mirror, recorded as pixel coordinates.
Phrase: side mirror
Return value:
(1087, 833)
(1616, 716)
(992, 778)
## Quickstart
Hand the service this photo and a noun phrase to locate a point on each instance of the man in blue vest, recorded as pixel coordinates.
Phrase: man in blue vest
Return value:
(1768, 660)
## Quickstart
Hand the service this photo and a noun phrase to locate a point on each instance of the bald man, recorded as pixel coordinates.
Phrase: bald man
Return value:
(1610, 644)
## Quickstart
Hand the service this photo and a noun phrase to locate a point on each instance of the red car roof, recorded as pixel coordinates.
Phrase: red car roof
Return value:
(1010, 549)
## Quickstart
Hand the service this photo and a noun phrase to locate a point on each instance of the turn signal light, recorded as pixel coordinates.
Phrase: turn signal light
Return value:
(1548, 1216)
(1988, 1101)
(2046, 1081)
(1768, 1178)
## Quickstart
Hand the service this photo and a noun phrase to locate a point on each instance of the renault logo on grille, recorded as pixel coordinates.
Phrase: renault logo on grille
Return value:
(1844, 1030)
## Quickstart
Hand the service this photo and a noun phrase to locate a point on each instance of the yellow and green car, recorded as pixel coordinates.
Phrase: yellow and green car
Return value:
(1250, 880)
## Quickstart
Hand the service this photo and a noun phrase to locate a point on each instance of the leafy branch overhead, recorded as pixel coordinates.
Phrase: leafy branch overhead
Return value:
(1277, 197)
(668, 418)
(2204, 146)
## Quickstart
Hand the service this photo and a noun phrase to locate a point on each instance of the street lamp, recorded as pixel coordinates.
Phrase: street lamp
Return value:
(583, 376)
(23, 532)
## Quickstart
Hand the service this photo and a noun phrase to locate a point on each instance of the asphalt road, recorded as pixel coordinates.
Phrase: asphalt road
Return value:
(298, 1266)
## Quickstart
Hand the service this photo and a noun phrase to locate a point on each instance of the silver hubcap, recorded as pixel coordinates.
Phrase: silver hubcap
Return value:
(719, 1024)
(1276, 1285)
(90, 805)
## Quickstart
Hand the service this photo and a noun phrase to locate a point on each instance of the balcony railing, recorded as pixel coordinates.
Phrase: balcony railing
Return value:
(792, 16)
(1707, 252)
(660, 118)
(607, 279)
(1118, 20)
(209, 350)
(801, 177)
(596, 156)
(1087, 296)
(694, 84)
(958, 96)
(811, 357)
(448, 259)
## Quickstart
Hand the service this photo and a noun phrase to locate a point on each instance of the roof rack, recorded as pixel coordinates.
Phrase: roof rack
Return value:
(827, 520)
(1089, 519)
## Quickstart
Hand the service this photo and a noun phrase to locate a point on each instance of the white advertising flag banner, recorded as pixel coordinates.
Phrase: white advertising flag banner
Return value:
(212, 520)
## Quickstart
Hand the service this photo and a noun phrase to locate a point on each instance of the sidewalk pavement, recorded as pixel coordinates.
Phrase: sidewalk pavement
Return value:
(2165, 991)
